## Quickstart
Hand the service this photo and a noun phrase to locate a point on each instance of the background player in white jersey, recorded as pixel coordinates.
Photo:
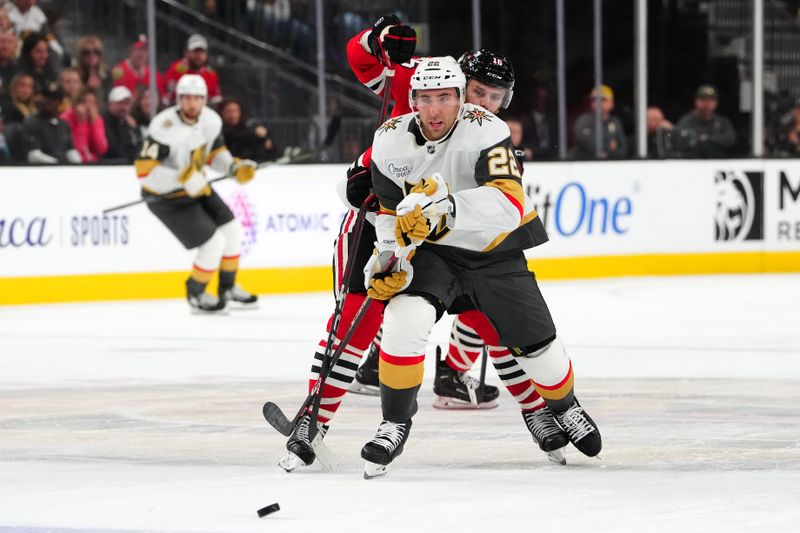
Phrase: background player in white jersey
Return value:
(458, 220)
(182, 140)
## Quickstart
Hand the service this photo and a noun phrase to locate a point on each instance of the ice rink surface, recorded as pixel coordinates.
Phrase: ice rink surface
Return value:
(137, 416)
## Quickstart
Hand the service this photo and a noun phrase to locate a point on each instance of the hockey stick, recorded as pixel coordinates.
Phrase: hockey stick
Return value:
(172, 194)
(272, 413)
(276, 417)
(482, 383)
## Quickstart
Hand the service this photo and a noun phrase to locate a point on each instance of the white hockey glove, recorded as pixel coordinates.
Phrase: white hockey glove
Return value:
(432, 197)
(243, 169)
(382, 285)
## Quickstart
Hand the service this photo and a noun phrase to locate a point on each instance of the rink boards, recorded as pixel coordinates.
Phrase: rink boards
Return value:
(604, 219)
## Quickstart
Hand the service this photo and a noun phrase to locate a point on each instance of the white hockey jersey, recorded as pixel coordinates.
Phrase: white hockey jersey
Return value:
(492, 212)
(173, 145)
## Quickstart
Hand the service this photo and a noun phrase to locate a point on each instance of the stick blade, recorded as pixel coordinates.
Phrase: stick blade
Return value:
(276, 418)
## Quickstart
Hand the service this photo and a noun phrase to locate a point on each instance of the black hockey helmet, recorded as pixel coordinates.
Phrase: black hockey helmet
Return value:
(491, 69)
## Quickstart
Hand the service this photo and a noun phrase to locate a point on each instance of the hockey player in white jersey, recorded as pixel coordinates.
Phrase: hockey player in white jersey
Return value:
(454, 212)
(182, 141)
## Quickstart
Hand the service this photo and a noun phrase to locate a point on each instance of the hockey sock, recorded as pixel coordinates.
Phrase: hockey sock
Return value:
(551, 372)
(467, 339)
(198, 279)
(401, 378)
(343, 372)
(518, 383)
(227, 273)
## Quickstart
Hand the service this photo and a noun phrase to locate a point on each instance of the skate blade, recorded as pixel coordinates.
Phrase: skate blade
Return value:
(366, 390)
(558, 456)
(200, 312)
(290, 461)
(240, 306)
(442, 402)
(373, 470)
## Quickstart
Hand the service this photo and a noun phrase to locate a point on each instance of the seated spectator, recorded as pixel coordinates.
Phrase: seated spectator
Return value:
(90, 65)
(702, 132)
(194, 61)
(134, 72)
(539, 128)
(614, 144)
(141, 110)
(87, 126)
(5, 150)
(243, 141)
(517, 139)
(26, 17)
(791, 145)
(659, 134)
(20, 102)
(71, 85)
(35, 60)
(8, 59)
(122, 130)
(47, 138)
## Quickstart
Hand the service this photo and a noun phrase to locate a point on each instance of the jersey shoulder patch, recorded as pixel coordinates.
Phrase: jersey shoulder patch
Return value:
(478, 115)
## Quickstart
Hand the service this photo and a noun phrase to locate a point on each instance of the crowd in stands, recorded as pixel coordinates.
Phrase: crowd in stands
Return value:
(59, 105)
(62, 108)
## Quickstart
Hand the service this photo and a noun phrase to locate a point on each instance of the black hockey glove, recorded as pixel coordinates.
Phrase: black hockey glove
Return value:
(393, 38)
(359, 185)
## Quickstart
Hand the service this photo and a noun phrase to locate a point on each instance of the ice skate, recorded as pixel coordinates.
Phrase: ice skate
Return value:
(301, 450)
(384, 447)
(204, 304)
(366, 381)
(552, 440)
(581, 429)
(238, 298)
(459, 390)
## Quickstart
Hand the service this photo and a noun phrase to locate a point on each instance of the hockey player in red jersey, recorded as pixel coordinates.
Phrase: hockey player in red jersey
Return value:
(457, 220)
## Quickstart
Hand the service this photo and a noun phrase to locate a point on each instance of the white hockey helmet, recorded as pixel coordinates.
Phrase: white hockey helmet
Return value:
(437, 73)
(192, 84)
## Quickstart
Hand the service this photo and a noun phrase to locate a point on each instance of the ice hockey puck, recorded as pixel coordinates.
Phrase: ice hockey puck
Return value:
(269, 509)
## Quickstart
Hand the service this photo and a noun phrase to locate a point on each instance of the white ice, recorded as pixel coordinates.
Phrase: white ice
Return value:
(137, 416)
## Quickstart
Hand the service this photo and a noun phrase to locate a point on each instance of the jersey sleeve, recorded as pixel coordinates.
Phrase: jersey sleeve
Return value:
(498, 202)
(151, 155)
(367, 68)
(389, 195)
(219, 157)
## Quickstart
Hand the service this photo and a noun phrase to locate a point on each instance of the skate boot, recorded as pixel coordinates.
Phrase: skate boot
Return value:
(200, 301)
(366, 380)
(459, 390)
(580, 428)
(300, 448)
(239, 298)
(547, 434)
(384, 447)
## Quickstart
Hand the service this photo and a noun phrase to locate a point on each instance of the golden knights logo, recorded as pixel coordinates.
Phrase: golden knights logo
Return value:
(389, 125)
(477, 115)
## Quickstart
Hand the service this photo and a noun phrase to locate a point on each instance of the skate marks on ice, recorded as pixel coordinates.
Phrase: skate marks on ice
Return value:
(654, 424)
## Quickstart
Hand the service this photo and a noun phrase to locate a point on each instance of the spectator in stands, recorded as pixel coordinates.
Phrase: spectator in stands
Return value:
(8, 59)
(538, 126)
(702, 132)
(92, 68)
(59, 56)
(6, 26)
(792, 143)
(26, 17)
(48, 139)
(20, 103)
(245, 142)
(659, 134)
(35, 60)
(122, 130)
(134, 72)
(141, 110)
(194, 61)
(614, 144)
(518, 139)
(5, 150)
(71, 85)
(87, 126)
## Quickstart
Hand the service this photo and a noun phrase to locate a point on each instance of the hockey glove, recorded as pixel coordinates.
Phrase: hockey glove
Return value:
(243, 169)
(392, 39)
(432, 196)
(383, 285)
(411, 228)
(192, 177)
(359, 185)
